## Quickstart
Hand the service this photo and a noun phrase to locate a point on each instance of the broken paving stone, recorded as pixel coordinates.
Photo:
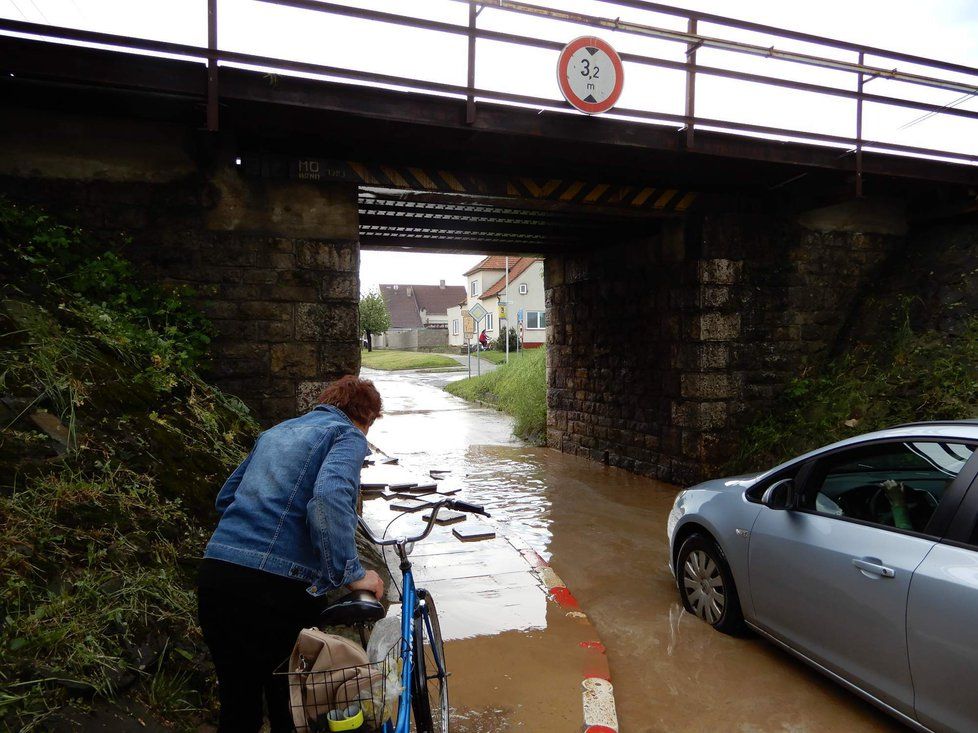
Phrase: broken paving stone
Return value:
(403, 486)
(474, 532)
(409, 505)
(419, 488)
(447, 517)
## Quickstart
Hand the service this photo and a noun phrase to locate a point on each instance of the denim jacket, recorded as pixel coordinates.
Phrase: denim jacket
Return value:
(291, 507)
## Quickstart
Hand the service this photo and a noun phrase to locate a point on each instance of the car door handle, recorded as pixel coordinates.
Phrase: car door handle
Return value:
(873, 567)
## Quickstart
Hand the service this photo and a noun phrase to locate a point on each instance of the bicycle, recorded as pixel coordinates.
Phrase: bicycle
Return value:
(423, 674)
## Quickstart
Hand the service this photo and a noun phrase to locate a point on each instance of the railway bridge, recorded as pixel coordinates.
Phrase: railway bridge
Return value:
(694, 265)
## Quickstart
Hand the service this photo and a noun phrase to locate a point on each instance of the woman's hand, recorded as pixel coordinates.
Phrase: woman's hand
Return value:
(372, 582)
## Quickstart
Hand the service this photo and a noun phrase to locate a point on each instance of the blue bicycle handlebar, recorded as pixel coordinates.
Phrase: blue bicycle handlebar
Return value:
(460, 506)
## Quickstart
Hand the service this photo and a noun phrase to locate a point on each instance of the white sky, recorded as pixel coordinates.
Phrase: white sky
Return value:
(944, 29)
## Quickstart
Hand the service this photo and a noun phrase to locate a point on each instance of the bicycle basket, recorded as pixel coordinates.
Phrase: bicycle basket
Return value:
(359, 698)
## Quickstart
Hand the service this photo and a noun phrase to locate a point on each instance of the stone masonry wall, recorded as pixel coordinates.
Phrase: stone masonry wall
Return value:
(275, 270)
(659, 350)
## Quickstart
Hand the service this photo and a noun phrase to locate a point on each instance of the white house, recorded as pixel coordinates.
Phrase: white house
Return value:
(524, 305)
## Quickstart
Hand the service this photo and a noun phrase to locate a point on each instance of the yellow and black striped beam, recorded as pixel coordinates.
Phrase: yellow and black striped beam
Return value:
(657, 198)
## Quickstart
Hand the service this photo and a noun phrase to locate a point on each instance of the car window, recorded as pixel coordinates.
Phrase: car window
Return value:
(896, 485)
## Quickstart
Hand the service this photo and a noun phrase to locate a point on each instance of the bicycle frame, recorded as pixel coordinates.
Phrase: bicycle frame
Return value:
(408, 602)
(409, 606)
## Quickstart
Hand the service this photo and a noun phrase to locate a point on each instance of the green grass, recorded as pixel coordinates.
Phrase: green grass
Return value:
(497, 357)
(396, 360)
(518, 388)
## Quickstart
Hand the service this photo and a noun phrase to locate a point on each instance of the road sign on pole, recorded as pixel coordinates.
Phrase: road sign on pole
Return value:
(478, 312)
(590, 74)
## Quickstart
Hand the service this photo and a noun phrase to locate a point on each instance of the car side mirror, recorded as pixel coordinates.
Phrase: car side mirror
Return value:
(780, 494)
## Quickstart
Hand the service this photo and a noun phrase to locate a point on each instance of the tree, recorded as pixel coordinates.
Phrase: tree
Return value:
(374, 316)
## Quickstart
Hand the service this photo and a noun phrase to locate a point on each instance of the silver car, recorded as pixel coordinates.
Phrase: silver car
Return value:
(861, 558)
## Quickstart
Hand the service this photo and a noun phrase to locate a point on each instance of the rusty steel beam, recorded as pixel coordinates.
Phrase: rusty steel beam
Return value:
(721, 44)
(690, 84)
(690, 39)
(747, 25)
(459, 90)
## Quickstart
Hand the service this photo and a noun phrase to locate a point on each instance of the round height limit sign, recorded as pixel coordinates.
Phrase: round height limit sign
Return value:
(590, 75)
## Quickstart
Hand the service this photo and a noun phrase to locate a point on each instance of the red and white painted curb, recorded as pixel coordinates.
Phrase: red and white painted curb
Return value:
(597, 692)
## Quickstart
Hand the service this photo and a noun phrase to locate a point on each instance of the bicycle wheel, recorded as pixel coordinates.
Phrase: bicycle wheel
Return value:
(429, 681)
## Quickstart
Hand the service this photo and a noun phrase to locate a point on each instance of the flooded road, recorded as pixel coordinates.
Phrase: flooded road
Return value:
(603, 532)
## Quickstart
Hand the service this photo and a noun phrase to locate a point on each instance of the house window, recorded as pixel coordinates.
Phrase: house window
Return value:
(474, 288)
(523, 288)
(455, 327)
(489, 321)
(536, 320)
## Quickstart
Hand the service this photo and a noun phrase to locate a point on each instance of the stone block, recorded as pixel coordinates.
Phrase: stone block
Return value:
(326, 322)
(276, 260)
(274, 331)
(700, 415)
(295, 360)
(290, 209)
(235, 330)
(273, 410)
(307, 394)
(720, 271)
(230, 254)
(320, 255)
(709, 386)
(717, 327)
(339, 357)
(340, 286)
(265, 310)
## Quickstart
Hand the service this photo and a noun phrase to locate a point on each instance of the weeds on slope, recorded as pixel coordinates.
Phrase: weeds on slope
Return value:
(518, 388)
(99, 527)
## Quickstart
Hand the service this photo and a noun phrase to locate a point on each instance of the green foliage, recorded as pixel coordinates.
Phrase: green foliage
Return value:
(374, 316)
(43, 256)
(518, 388)
(97, 537)
(909, 377)
(514, 341)
(395, 360)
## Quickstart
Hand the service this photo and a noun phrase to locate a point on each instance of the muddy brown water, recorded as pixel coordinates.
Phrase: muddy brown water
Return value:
(603, 532)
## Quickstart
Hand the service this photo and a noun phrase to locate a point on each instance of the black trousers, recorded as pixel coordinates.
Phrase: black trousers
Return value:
(250, 621)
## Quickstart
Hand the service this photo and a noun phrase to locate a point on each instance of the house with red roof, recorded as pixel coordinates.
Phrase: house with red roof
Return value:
(522, 307)
(419, 314)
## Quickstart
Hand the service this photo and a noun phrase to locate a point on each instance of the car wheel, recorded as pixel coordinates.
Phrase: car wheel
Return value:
(706, 585)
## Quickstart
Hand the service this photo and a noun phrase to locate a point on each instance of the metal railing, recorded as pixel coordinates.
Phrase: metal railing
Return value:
(940, 75)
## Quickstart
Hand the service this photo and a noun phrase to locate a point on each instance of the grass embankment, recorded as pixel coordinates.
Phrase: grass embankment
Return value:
(100, 525)
(518, 388)
(909, 376)
(494, 356)
(397, 360)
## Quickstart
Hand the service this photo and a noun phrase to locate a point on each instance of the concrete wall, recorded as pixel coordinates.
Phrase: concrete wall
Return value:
(274, 265)
(660, 349)
(415, 339)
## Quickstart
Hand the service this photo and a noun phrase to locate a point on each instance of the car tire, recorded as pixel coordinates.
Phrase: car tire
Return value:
(706, 585)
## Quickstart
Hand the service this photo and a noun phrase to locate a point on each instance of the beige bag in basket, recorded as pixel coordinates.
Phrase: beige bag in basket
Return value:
(323, 667)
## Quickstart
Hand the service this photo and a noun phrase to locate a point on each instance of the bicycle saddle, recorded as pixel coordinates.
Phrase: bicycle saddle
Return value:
(358, 607)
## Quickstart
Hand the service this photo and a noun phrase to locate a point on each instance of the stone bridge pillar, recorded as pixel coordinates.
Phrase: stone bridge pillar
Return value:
(661, 349)
(274, 263)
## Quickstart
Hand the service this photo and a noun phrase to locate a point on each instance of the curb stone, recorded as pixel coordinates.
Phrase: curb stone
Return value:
(597, 692)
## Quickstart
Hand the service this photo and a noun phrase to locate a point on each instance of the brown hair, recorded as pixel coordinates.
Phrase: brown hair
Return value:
(358, 398)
